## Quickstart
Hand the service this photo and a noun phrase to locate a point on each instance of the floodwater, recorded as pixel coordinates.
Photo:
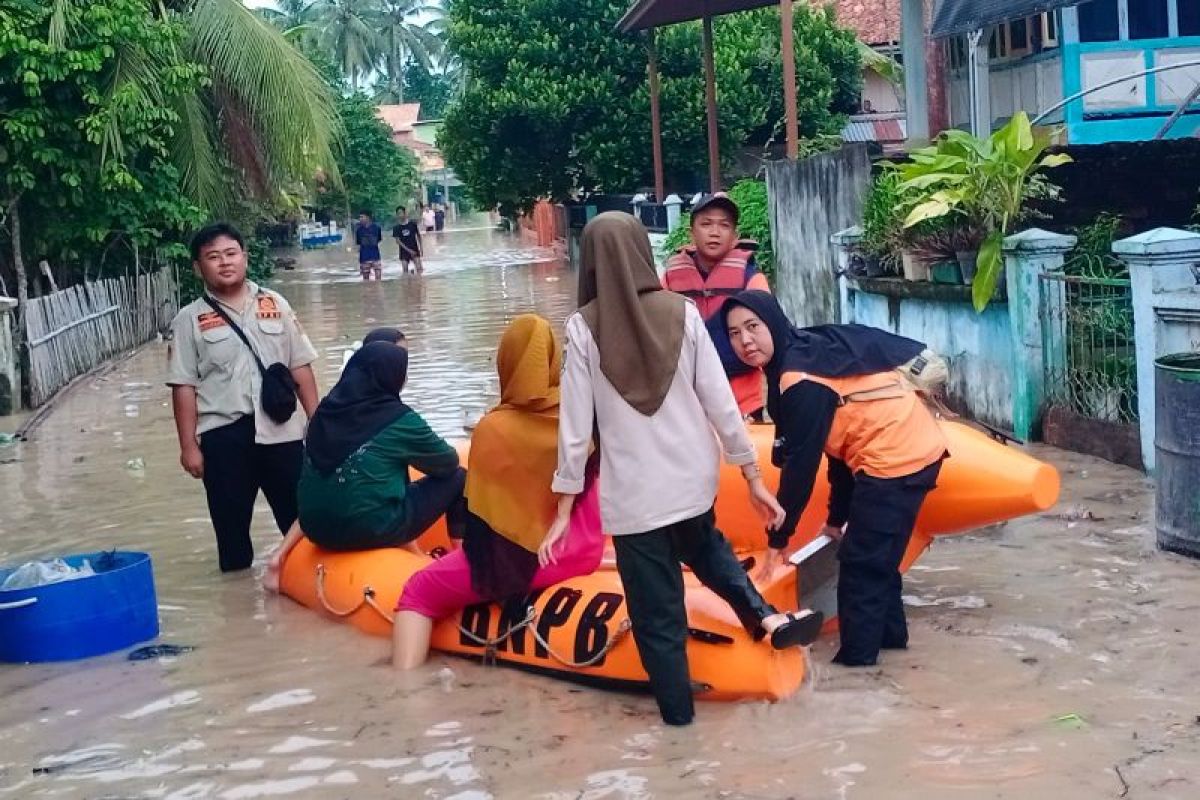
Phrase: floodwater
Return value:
(1052, 657)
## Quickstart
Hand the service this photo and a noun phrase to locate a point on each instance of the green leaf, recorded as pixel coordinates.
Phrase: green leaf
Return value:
(930, 209)
(990, 263)
(1055, 160)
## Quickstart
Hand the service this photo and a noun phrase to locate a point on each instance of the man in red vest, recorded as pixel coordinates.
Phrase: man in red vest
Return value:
(714, 267)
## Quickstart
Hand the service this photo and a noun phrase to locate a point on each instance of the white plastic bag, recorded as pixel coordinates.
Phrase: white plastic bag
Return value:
(41, 573)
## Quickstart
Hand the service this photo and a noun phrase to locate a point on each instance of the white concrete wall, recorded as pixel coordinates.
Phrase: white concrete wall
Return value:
(1031, 85)
(882, 94)
(808, 201)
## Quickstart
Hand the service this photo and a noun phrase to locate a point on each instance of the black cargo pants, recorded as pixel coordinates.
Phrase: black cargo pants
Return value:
(648, 564)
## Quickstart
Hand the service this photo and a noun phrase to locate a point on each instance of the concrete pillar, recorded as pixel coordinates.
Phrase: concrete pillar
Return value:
(674, 204)
(916, 83)
(845, 243)
(10, 359)
(1164, 268)
(1027, 256)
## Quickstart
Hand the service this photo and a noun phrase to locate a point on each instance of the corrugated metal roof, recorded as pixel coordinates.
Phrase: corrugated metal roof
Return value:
(963, 16)
(875, 130)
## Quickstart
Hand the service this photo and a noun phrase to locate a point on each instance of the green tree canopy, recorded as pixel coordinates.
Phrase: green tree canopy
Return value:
(85, 153)
(432, 90)
(557, 101)
(377, 174)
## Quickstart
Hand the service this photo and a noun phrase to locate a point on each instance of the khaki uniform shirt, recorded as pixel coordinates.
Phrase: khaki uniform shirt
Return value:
(207, 354)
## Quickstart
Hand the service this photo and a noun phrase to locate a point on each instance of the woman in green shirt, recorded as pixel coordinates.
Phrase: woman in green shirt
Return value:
(355, 492)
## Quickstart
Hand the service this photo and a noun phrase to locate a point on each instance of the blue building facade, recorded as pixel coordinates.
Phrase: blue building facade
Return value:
(1036, 62)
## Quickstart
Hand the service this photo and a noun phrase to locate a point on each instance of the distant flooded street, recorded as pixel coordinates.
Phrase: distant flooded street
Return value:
(1052, 657)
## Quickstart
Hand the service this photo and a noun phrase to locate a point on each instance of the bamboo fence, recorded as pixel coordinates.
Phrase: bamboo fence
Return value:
(74, 330)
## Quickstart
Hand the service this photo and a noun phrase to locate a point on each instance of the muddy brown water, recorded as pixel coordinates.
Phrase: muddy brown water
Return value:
(1051, 657)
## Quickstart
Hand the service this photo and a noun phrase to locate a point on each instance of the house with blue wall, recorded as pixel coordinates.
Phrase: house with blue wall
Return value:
(1090, 51)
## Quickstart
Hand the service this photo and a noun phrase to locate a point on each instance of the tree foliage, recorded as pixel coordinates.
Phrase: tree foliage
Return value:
(124, 124)
(377, 174)
(85, 152)
(433, 90)
(557, 101)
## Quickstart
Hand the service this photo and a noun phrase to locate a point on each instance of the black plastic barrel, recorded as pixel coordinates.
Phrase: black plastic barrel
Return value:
(1177, 452)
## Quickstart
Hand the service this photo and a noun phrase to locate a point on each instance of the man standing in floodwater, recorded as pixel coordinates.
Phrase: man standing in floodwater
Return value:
(407, 234)
(225, 437)
(368, 235)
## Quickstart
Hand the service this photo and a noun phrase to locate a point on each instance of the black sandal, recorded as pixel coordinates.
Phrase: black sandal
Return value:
(802, 628)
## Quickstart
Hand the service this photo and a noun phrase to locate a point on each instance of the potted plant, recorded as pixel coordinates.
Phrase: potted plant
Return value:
(883, 225)
(981, 183)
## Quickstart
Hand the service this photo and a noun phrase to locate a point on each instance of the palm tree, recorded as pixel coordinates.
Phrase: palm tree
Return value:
(267, 108)
(294, 18)
(349, 32)
(265, 121)
(403, 38)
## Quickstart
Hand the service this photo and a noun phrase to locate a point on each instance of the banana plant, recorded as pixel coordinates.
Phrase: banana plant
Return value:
(983, 181)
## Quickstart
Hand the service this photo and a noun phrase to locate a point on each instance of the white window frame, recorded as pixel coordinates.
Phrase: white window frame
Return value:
(1050, 42)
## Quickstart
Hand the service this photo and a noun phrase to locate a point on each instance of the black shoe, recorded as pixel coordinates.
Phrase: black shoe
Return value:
(803, 627)
(846, 661)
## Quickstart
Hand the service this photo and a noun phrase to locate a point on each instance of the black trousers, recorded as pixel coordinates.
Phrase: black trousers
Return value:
(235, 468)
(648, 564)
(870, 611)
(425, 500)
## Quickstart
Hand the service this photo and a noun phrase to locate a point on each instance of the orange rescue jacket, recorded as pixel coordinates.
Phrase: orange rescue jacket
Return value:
(725, 279)
(881, 427)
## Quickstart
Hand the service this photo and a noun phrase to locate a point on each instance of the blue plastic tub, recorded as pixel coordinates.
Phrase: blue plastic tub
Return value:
(112, 609)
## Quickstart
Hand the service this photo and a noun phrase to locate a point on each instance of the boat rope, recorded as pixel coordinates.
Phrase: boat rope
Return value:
(622, 629)
(490, 645)
(368, 599)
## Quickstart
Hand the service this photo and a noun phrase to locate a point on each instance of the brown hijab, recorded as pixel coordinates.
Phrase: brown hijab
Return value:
(637, 325)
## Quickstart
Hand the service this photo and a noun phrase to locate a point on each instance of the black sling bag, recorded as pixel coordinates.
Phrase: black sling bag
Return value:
(278, 385)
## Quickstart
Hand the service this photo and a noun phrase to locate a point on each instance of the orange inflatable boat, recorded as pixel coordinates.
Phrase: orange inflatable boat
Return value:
(578, 629)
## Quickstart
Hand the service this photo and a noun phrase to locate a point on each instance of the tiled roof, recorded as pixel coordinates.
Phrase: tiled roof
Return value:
(400, 118)
(875, 21)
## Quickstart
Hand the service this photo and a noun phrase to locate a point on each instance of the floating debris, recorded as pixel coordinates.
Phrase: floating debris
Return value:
(160, 651)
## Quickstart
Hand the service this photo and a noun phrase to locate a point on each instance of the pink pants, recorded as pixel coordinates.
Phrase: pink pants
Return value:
(443, 587)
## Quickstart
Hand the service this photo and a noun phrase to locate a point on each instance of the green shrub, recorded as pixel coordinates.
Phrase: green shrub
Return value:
(1092, 255)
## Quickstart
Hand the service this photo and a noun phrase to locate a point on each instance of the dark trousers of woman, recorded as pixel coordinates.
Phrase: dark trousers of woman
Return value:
(429, 498)
(870, 611)
(648, 564)
(235, 468)
(424, 501)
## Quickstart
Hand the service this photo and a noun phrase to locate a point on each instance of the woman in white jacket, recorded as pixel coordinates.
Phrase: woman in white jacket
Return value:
(641, 372)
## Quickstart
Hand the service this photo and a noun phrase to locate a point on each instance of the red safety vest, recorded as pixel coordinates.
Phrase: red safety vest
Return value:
(725, 279)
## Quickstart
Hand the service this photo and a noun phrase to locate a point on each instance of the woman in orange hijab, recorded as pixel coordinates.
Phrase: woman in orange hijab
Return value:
(514, 452)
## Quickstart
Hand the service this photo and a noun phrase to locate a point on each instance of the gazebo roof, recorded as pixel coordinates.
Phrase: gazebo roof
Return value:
(656, 13)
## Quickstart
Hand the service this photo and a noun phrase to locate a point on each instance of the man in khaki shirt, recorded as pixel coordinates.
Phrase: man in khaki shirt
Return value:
(225, 438)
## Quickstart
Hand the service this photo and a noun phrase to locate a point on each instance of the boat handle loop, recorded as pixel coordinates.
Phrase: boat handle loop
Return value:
(28, 601)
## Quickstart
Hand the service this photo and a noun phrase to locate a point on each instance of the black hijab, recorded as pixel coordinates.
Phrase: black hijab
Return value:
(389, 335)
(365, 401)
(831, 351)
